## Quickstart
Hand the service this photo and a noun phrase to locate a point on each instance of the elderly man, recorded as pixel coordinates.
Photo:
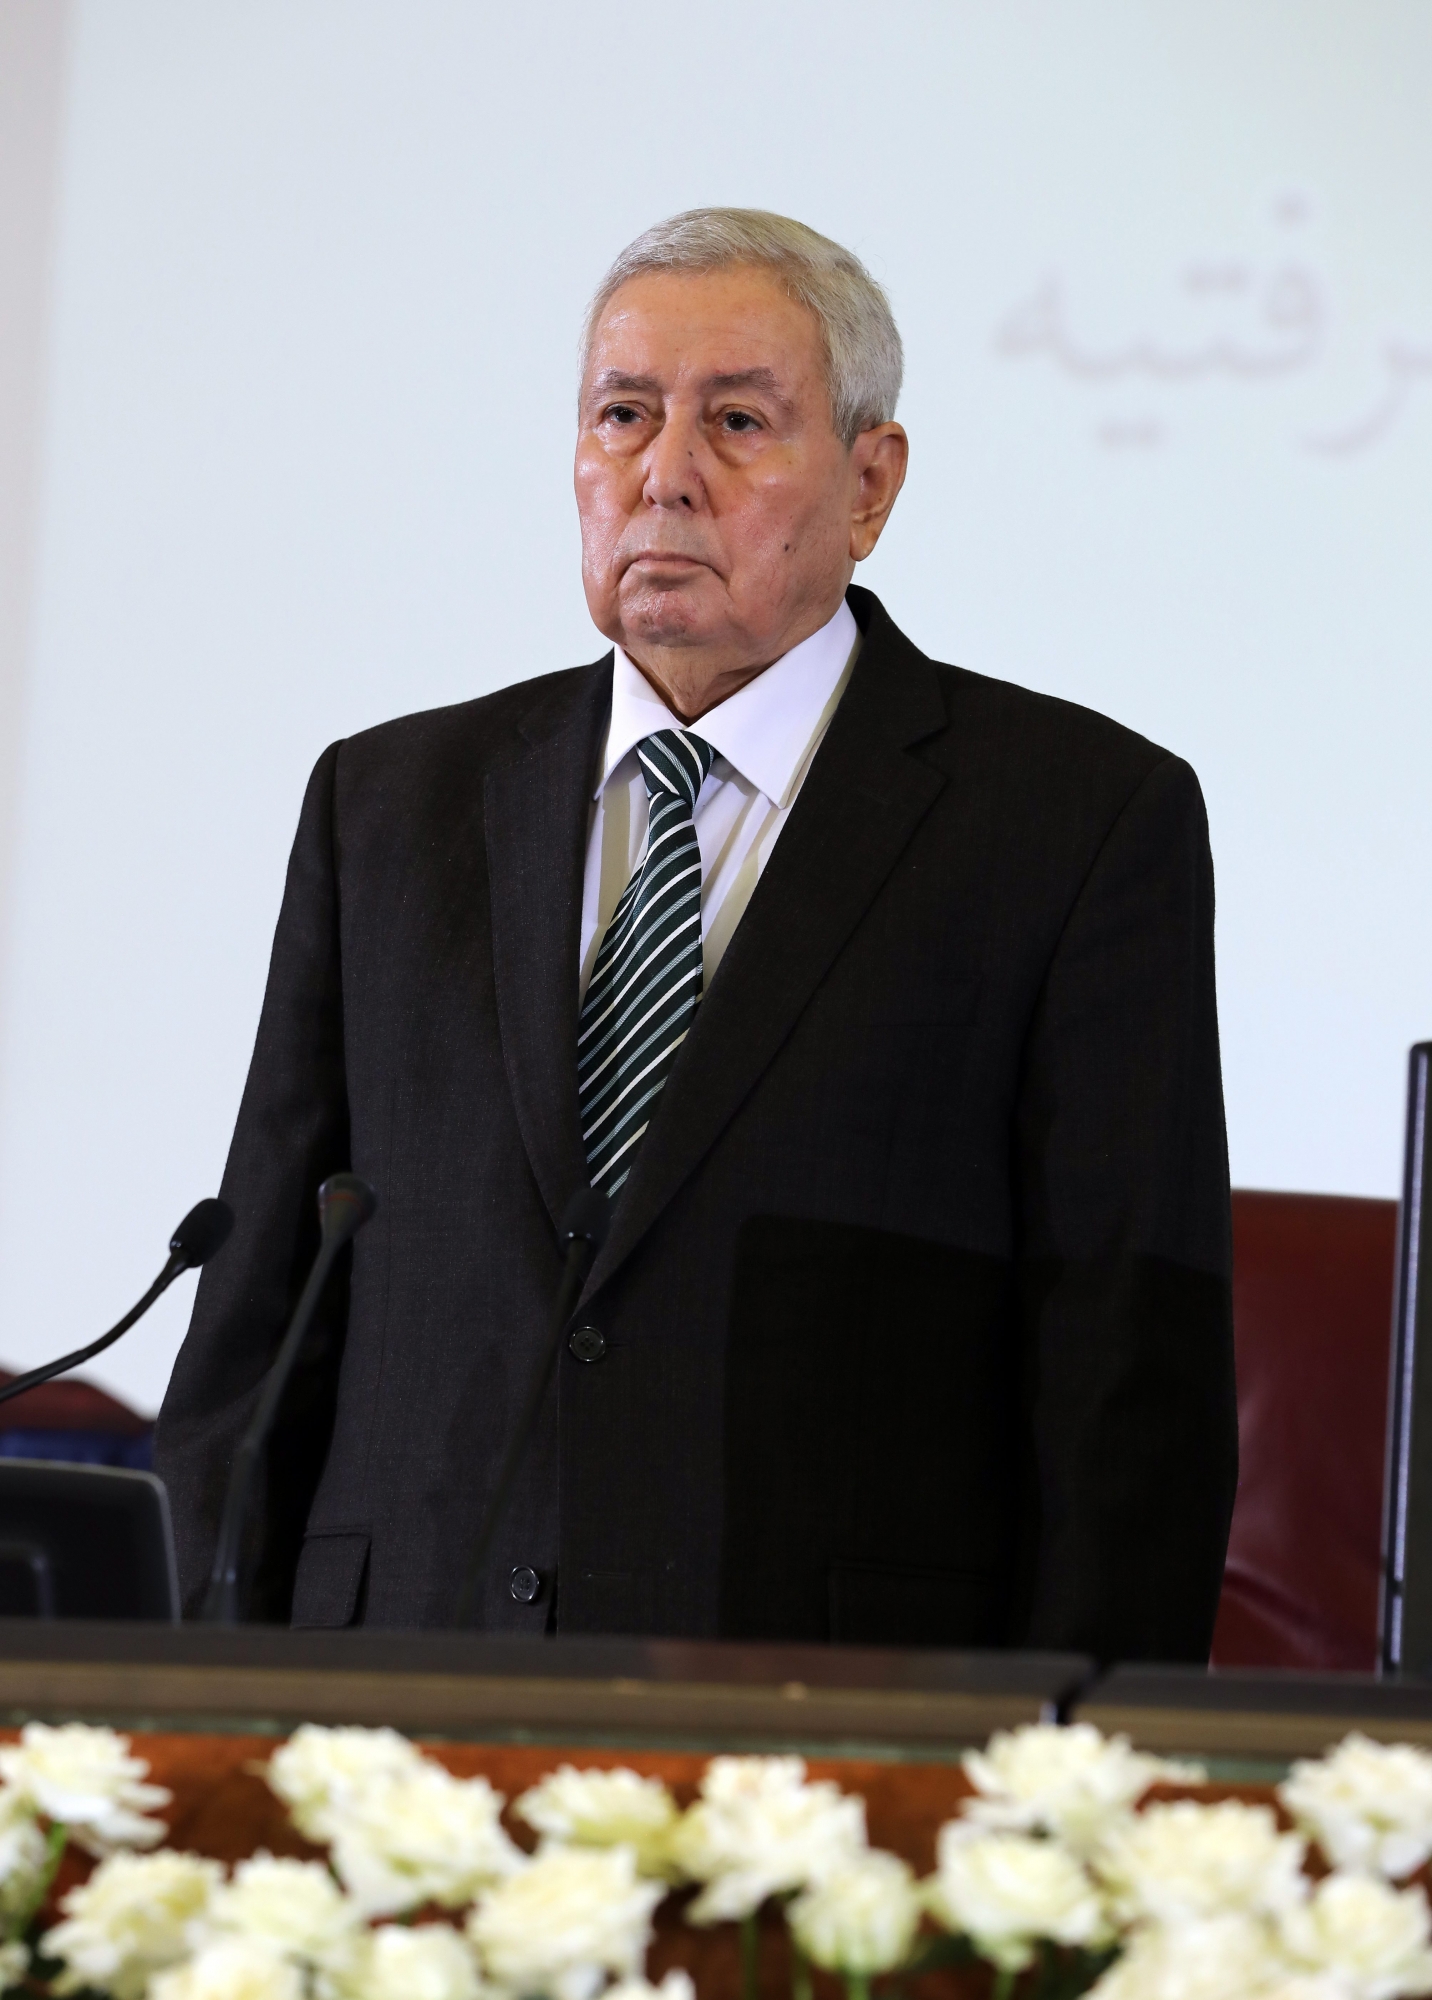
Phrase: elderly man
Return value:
(876, 996)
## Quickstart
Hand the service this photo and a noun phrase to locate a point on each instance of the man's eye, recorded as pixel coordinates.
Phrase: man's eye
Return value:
(740, 420)
(623, 413)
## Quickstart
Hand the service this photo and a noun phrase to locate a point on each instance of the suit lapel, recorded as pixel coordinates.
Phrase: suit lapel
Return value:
(536, 808)
(860, 804)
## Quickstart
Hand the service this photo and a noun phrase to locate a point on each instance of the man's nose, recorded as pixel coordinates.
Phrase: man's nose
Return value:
(673, 466)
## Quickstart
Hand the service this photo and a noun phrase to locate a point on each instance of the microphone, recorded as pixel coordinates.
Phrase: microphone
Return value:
(585, 1222)
(204, 1230)
(344, 1204)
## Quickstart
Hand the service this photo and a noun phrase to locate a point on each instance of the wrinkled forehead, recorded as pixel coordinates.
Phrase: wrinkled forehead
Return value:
(727, 329)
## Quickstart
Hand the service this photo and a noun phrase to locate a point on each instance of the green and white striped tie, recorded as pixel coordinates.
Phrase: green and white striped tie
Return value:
(646, 983)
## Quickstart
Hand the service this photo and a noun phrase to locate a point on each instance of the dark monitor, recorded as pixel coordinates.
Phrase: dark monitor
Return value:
(84, 1541)
(1406, 1609)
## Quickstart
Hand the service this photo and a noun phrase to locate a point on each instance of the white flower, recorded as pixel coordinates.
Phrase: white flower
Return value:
(1368, 1805)
(425, 1837)
(14, 1964)
(758, 1830)
(23, 1853)
(604, 1809)
(136, 1914)
(1371, 1939)
(319, 1773)
(675, 1986)
(1175, 1863)
(86, 1779)
(565, 1921)
(403, 1830)
(394, 1962)
(293, 1906)
(1004, 1891)
(231, 1969)
(1068, 1781)
(861, 1919)
(1221, 1958)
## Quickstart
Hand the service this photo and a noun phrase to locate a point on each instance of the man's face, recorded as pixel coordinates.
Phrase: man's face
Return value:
(721, 515)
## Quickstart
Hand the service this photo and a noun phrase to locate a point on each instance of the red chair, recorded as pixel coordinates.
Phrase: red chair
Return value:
(1312, 1319)
(74, 1421)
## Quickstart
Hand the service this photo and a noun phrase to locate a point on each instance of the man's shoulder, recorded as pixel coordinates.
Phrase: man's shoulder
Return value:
(1019, 724)
(1036, 761)
(1037, 726)
(474, 734)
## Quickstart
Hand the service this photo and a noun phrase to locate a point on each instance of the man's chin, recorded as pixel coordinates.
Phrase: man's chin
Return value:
(672, 618)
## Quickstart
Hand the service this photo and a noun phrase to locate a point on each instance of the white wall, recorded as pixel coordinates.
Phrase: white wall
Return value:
(320, 265)
(33, 69)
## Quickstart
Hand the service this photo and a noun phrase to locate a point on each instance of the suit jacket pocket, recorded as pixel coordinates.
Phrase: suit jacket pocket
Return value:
(332, 1569)
(873, 1604)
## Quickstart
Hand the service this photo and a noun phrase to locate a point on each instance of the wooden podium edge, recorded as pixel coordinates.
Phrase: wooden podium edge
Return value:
(1264, 1733)
(478, 1705)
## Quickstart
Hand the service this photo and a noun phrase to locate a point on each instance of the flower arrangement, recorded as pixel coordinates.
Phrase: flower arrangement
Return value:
(1058, 1874)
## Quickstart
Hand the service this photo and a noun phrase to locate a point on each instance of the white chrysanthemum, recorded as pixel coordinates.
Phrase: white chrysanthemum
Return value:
(1373, 1940)
(137, 1914)
(86, 1779)
(1367, 1805)
(1221, 1958)
(23, 1853)
(232, 1968)
(426, 1837)
(294, 1906)
(320, 1773)
(675, 1986)
(1175, 1863)
(1069, 1781)
(604, 1809)
(861, 1919)
(758, 1830)
(564, 1922)
(394, 1962)
(1006, 1891)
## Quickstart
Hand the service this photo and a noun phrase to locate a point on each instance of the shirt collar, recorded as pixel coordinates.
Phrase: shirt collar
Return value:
(765, 729)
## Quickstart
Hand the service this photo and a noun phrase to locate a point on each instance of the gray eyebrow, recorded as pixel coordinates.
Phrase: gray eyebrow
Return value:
(612, 379)
(746, 378)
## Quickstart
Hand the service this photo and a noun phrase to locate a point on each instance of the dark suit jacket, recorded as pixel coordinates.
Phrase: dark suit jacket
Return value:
(916, 1304)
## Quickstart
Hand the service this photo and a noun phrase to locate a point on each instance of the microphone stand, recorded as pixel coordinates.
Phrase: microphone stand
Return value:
(584, 1230)
(345, 1203)
(203, 1231)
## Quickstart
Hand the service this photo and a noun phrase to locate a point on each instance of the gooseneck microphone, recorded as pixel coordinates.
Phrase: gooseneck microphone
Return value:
(204, 1230)
(344, 1204)
(584, 1230)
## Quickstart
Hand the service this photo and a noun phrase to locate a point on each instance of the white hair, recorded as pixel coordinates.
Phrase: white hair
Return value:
(864, 358)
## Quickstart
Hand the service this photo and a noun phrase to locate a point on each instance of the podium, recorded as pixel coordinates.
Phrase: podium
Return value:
(899, 1707)
(205, 1706)
(465, 1686)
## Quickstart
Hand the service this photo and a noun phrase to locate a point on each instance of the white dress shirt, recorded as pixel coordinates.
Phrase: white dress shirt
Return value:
(764, 736)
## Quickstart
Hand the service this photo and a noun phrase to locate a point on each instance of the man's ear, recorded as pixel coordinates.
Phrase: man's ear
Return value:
(879, 459)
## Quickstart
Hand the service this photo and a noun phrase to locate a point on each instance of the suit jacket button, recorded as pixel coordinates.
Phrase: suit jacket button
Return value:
(588, 1343)
(524, 1585)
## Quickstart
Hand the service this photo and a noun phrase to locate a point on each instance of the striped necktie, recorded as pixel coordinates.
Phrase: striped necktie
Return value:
(646, 983)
